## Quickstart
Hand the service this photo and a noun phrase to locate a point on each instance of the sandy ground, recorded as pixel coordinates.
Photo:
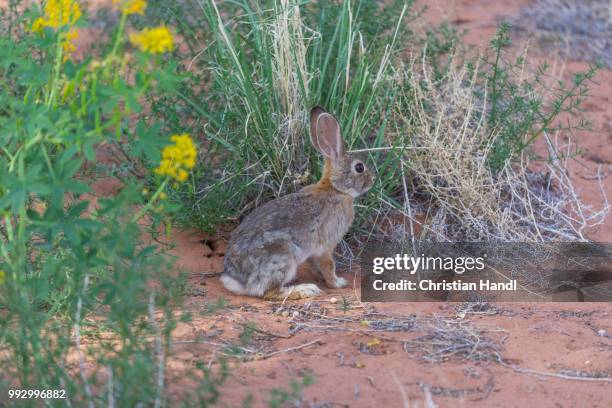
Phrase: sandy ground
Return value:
(354, 364)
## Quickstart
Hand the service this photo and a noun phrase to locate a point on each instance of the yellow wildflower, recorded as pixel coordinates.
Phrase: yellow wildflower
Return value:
(67, 44)
(58, 13)
(38, 25)
(178, 158)
(374, 342)
(131, 6)
(153, 40)
(2, 277)
(163, 196)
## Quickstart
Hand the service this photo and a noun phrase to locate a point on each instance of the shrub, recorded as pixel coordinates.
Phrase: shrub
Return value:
(85, 302)
(466, 133)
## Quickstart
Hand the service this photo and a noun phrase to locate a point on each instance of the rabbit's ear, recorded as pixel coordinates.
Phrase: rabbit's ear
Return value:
(325, 133)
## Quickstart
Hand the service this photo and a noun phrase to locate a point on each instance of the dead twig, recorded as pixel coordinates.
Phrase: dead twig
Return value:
(268, 355)
(555, 375)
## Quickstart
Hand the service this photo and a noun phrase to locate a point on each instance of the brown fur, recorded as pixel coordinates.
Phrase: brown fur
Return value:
(324, 183)
(267, 247)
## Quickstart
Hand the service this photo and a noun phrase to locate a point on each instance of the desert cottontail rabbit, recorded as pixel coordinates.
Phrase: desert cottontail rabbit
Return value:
(266, 248)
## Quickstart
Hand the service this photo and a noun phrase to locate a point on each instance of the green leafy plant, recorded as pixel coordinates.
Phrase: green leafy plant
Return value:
(280, 397)
(78, 282)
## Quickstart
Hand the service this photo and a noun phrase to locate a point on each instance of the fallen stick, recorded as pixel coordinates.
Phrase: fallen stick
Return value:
(317, 341)
(262, 331)
(563, 376)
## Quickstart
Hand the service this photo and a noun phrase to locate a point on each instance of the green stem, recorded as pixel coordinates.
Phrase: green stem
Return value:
(21, 225)
(494, 86)
(43, 148)
(119, 37)
(59, 54)
(557, 110)
(146, 208)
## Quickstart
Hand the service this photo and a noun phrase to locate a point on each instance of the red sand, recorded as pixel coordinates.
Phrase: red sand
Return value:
(542, 337)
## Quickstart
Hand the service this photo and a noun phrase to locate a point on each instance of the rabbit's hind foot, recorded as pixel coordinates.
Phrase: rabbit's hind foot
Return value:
(293, 292)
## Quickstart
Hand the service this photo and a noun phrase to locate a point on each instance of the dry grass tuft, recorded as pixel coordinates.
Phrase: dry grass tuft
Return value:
(454, 338)
(291, 82)
(448, 140)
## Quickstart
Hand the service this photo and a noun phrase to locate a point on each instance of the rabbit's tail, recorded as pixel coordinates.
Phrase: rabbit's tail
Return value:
(227, 278)
(232, 284)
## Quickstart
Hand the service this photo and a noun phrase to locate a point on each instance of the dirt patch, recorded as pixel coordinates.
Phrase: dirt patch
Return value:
(580, 30)
(364, 354)
(359, 354)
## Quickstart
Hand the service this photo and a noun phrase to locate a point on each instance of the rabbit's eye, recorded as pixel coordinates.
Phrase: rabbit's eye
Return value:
(359, 168)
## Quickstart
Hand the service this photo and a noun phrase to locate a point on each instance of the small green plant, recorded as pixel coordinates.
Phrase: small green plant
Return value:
(518, 113)
(345, 305)
(246, 337)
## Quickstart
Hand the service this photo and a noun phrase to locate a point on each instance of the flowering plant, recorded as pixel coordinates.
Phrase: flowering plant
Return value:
(66, 257)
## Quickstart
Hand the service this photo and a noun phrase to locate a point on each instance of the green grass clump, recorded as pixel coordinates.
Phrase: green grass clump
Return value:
(257, 77)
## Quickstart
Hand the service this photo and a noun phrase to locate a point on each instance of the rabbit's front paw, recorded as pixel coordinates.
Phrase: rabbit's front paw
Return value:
(301, 291)
(308, 289)
(338, 283)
